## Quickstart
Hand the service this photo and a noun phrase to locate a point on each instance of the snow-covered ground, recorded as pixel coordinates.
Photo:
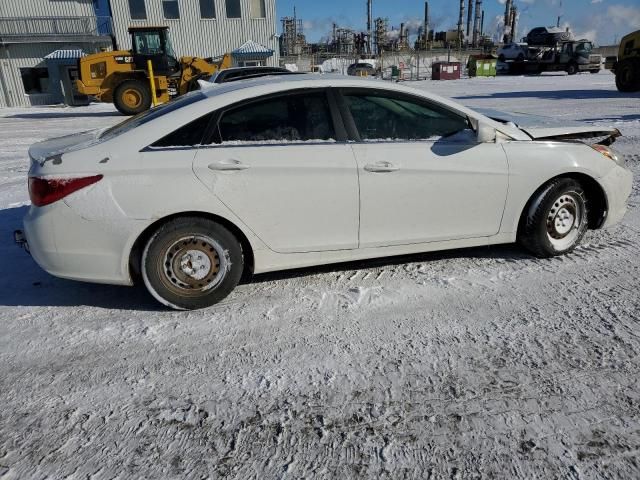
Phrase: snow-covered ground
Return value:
(477, 363)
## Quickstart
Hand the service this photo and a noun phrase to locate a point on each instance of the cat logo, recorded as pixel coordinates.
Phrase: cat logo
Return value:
(124, 59)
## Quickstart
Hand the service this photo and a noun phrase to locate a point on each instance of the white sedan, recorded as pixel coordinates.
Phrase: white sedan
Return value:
(287, 172)
(513, 51)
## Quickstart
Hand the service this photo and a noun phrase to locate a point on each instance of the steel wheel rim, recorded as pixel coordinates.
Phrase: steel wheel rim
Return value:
(132, 98)
(564, 220)
(193, 265)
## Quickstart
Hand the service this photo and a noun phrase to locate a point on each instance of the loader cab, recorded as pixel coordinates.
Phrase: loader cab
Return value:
(153, 43)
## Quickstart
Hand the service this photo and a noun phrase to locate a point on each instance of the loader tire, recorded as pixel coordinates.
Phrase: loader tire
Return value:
(132, 97)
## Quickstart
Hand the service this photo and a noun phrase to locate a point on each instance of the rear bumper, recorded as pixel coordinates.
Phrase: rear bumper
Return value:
(66, 245)
(617, 184)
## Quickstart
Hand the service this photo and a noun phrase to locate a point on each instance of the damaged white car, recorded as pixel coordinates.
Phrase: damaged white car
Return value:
(288, 172)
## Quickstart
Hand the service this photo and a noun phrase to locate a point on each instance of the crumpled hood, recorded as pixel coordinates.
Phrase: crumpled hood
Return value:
(40, 151)
(546, 128)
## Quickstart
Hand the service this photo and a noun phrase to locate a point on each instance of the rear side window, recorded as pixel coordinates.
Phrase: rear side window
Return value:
(283, 119)
(190, 135)
(383, 117)
(157, 112)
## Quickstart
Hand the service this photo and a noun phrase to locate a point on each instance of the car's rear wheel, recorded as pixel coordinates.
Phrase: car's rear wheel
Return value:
(191, 263)
(556, 219)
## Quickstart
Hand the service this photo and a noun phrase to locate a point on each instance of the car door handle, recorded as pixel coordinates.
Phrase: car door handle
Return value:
(228, 165)
(381, 167)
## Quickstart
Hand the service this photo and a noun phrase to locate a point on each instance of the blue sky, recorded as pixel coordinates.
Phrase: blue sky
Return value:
(603, 21)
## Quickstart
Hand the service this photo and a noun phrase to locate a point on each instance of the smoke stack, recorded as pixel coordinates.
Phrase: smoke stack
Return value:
(469, 17)
(369, 22)
(482, 24)
(460, 22)
(476, 23)
(426, 23)
(507, 21)
(514, 22)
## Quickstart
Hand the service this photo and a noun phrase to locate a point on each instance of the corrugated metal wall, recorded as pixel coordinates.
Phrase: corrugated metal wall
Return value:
(193, 35)
(46, 8)
(15, 57)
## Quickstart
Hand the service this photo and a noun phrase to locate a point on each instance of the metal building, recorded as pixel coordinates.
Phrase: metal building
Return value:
(34, 29)
(204, 28)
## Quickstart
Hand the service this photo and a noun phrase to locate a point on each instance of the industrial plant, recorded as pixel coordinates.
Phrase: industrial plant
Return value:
(380, 36)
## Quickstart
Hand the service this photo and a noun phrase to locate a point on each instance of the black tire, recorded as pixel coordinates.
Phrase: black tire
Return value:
(501, 58)
(178, 280)
(543, 221)
(594, 71)
(572, 68)
(136, 88)
(520, 57)
(628, 75)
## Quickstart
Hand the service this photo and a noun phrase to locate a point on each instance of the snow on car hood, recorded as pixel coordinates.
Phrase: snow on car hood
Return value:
(539, 127)
(41, 151)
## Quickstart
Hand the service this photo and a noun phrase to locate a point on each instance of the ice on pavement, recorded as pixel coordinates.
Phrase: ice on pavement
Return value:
(476, 363)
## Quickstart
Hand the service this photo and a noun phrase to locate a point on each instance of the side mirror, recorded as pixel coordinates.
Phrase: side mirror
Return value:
(486, 133)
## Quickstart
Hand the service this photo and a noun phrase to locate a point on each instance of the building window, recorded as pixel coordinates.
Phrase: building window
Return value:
(137, 10)
(258, 9)
(171, 9)
(35, 80)
(233, 8)
(207, 9)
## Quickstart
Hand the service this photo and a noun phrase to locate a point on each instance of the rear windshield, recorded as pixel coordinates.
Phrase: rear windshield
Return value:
(144, 117)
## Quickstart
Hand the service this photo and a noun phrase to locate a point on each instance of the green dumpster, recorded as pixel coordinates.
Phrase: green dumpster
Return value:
(482, 66)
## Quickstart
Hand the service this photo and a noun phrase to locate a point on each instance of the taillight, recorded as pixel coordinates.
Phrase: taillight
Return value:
(44, 191)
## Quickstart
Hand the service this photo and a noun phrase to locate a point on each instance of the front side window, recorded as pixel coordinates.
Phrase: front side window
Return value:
(137, 10)
(190, 135)
(258, 9)
(171, 9)
(148, 43)
(383, 117)
(283, 119)
(233, 8)
(207, 9)
(628, 47)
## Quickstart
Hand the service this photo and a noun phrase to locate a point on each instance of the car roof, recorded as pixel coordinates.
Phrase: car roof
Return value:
(257, 67)
(281, 82)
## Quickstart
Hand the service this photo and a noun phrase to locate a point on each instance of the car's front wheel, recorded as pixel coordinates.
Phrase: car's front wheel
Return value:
(556, 219)
(191, 263)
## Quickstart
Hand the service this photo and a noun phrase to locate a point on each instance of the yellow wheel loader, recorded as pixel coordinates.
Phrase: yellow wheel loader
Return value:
(123, 76)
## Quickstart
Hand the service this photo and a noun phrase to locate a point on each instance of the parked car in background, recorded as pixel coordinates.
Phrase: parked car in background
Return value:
(513, 51)
(279, 173)
(361, 70)
(243, 73)
(548, 36)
